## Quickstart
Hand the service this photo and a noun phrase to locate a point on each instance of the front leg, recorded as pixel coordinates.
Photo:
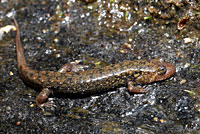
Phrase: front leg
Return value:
(133, 89)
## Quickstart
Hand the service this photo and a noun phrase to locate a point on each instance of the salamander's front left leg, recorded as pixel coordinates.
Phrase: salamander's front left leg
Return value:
(134, 89)
(42, 98)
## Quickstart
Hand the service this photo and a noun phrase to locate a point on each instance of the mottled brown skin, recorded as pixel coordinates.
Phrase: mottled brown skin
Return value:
(94, 80)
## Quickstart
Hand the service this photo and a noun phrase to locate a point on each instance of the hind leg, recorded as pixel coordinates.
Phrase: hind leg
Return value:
(72, 67)
(42, 98)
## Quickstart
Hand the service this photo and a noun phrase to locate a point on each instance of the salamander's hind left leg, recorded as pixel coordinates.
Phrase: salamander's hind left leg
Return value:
(133, 89)
(42, 98)
(72, 67)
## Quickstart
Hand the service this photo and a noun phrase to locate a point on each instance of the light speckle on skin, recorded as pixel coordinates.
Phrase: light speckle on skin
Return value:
(10, 73)
(42, 80)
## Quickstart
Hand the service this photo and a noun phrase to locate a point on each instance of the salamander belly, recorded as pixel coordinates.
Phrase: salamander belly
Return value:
(91, 85)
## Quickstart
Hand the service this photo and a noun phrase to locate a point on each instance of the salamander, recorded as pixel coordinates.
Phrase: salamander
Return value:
(127, 73)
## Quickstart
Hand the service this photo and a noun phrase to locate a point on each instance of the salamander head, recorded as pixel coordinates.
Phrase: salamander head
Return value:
(164, 70)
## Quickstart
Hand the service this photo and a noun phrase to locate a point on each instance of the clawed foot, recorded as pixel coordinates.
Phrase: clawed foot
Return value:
(42, 98)
(46, 104)
(133, 89)
(72, 67)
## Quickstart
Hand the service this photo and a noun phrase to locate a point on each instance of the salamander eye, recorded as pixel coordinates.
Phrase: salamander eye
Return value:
(161, 70)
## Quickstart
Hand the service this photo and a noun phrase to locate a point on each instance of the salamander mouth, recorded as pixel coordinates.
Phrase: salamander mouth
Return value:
(171, 69)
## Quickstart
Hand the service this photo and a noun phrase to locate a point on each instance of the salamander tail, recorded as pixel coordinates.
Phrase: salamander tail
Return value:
(20, 51)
